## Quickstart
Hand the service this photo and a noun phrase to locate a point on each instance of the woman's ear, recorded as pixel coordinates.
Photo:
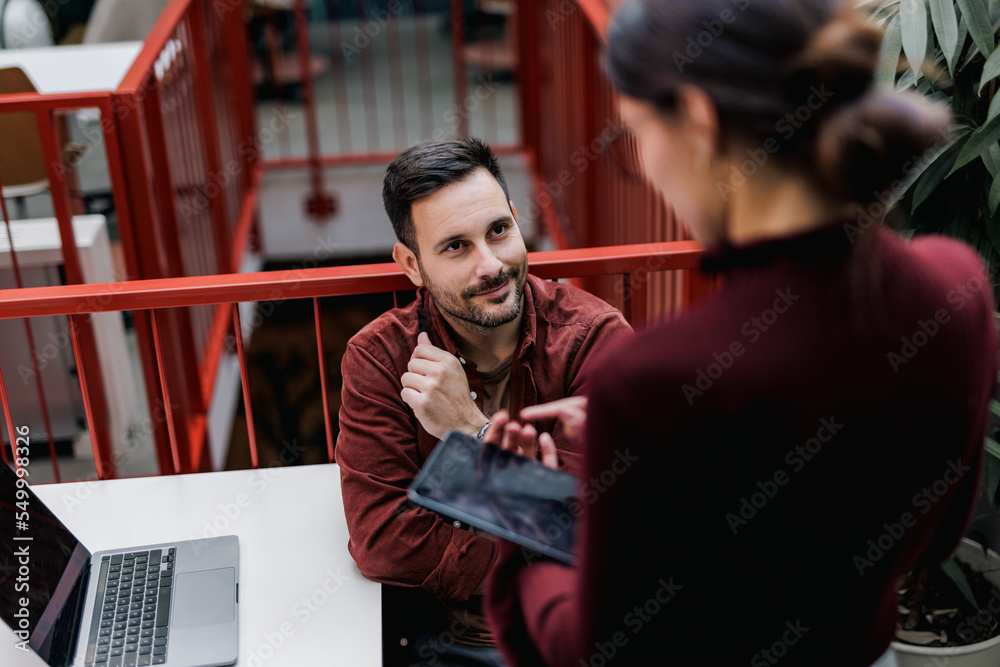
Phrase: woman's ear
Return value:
(698, 110)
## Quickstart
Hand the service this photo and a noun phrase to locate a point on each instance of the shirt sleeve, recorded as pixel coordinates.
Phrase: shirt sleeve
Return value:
(606, 329)
(391, 540)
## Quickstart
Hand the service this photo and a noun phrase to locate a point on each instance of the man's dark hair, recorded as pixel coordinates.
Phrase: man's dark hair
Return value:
(422, 170)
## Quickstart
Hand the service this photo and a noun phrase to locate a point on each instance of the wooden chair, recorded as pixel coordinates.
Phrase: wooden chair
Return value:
(22, 160)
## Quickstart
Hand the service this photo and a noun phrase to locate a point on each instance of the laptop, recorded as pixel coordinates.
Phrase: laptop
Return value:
(174, 603)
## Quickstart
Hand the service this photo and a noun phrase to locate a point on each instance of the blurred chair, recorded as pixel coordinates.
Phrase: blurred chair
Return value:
(122, 20)
(22, 161)
(24, 24)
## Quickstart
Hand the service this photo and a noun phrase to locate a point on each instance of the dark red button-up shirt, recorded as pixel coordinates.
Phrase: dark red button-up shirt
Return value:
(381, 445)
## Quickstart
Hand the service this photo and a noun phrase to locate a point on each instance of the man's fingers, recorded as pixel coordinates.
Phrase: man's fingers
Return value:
(422, 366)
(550, 457)
(425, 349)
(414, 381)
(494, 434)
(410, 396)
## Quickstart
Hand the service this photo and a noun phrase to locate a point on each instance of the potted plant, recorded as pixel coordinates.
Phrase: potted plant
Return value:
(948, 50)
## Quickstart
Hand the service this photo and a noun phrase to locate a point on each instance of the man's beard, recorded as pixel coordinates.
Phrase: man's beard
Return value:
(475, 315)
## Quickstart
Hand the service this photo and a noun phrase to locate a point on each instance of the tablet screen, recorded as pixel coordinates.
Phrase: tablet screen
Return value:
(500, 493)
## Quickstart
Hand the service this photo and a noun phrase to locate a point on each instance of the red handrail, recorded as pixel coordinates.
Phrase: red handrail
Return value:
(319, 282)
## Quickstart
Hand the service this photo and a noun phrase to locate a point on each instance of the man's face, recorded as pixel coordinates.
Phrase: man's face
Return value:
(472, 257)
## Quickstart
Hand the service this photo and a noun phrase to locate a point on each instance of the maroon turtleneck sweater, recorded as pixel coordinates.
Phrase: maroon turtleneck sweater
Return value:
(759, 471)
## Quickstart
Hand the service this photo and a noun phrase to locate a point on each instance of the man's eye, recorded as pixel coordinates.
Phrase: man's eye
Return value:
(499, 229)
(453, 246)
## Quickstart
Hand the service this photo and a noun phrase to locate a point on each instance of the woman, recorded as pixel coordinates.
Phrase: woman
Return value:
(760, 470)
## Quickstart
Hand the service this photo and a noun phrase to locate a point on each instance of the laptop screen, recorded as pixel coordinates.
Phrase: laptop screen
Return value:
(40, 564)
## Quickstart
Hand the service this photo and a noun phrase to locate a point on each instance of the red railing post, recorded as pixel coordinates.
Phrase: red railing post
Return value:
(208, 124)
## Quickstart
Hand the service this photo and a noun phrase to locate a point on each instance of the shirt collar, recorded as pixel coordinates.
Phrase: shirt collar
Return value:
(828, 239)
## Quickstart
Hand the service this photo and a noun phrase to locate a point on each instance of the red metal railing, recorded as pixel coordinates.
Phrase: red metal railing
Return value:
(184, 154)
(157, 298)
(174, 134)
(408, 63)
(589, 187)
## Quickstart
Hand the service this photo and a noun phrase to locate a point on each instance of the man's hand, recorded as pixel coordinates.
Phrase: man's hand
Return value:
(436, 389)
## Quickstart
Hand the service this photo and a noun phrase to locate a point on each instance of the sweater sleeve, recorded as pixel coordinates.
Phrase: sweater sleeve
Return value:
(392, 541)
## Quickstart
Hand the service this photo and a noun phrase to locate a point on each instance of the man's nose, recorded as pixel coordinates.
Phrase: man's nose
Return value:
(489, 265)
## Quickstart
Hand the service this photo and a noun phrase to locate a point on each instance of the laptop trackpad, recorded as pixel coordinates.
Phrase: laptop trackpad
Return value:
(206, 597)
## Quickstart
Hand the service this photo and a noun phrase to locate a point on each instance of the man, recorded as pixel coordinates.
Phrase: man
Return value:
(482, 335)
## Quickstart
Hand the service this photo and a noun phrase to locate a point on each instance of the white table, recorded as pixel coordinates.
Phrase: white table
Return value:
(79, 68)
(302, 599)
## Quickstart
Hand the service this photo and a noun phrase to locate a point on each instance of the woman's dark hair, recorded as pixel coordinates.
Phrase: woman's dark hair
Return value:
(794, 76)
(422, 170)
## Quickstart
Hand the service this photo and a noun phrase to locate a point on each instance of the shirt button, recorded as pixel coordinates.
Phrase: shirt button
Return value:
(462, 359)
(474, 395)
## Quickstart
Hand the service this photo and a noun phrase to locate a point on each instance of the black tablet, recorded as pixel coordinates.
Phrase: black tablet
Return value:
(500, 493)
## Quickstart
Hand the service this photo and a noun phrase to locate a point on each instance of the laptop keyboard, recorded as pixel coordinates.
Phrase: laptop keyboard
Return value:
(131, 617)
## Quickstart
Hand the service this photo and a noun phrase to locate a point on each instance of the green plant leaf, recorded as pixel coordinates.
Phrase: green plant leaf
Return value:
(993, 447)
(994, 110)
(991, 478)
(892, 46)
(950, 567)
(995, 407)
(945, 23)
(991, 158)
(913, 25)
(937, 168)
(994, 196)
(990, 70)
(963, 33)
(978, 143)
(980, 28)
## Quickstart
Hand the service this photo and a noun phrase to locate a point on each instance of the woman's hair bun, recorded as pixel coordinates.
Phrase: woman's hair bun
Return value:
(862, 148)
(841, 56)
(867, 137)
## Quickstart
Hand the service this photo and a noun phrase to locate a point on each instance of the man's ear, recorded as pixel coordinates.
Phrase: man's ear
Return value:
(513, 212)
(408, 262)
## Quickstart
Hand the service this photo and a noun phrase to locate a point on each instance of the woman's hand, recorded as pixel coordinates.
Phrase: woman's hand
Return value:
(525, 440)
(571, 411)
